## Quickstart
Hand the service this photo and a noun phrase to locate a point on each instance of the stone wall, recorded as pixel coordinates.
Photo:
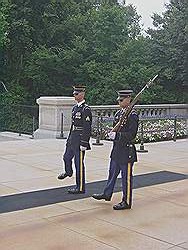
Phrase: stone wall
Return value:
(55, 114)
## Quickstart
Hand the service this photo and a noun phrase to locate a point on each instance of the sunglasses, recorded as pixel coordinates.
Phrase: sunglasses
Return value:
(75, 93)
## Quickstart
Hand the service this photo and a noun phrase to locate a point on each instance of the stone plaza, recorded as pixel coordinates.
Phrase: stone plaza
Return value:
(37, 213)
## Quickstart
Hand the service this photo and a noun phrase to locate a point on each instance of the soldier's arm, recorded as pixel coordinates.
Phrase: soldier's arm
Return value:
(131, 130)
(86, 132)
(71, 124)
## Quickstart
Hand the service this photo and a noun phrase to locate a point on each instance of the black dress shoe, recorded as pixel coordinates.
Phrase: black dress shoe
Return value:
(63, 176)
(75, 191)
(101, 197)
(122, 205)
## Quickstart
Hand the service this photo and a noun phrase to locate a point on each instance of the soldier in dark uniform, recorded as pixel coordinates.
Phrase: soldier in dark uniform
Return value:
(78, 141)
(123, 155)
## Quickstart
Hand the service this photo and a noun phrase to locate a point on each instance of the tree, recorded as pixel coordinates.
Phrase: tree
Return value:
(169, 49)
(110, 28)
(54, 44)
(3, 37)
(82, 41)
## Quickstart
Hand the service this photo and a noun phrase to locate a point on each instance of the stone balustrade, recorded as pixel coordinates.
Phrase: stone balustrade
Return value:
(152, 110)
(55, 114)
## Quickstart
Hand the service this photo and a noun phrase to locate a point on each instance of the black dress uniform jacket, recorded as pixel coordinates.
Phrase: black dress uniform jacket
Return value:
(124, 150)
(80, 130)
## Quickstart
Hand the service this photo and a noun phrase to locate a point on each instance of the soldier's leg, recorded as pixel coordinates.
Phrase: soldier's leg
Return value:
(127, 180)
(113, 174)
(80, 170)
(67, 157)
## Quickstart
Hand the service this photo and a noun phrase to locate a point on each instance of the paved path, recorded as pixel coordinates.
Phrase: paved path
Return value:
(37, 213)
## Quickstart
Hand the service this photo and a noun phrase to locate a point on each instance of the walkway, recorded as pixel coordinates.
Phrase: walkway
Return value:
(38, 214)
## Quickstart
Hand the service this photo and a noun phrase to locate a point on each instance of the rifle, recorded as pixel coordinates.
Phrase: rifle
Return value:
(126, 111)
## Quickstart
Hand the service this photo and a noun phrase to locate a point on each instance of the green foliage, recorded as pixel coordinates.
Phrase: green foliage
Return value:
(49, 45)
(169, 49)
(3, 36)
(3, 24)
(82, 46)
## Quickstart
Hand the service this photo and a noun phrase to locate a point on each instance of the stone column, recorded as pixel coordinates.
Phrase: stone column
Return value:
(51, 110)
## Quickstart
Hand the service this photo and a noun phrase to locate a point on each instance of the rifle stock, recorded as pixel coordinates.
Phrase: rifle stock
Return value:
(127, 110)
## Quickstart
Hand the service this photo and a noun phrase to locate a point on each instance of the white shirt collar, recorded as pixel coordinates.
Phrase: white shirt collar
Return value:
(80, 103)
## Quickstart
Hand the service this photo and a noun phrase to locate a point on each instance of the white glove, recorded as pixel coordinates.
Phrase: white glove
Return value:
(82, 148)
(112, 135)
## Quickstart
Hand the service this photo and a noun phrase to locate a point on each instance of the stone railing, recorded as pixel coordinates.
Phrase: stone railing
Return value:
(152, 110)
(103, 117)
(55, 114)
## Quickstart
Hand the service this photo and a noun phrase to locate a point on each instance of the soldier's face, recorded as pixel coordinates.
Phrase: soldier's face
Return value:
(123, 103)
(79, 96)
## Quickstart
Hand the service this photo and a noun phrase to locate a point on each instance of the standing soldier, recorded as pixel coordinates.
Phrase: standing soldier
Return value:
(123, 154)
(78, 141)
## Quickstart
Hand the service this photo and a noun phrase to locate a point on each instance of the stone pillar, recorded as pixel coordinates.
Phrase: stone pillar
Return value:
(51, 109)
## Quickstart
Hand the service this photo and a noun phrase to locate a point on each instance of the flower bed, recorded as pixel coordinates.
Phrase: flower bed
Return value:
(162, 130)
(150, 130)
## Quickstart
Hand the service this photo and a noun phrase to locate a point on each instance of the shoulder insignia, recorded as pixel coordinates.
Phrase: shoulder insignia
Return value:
(134, 112)
(88, 119)
(117, 112)
(86, 107)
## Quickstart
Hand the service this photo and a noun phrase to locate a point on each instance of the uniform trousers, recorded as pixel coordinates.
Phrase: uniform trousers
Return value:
(126, 176)
(78, 155)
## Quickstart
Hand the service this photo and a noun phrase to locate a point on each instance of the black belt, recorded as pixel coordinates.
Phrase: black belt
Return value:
(77, 128)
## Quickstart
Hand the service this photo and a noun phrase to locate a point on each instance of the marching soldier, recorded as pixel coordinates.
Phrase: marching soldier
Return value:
(78, 141)
(123, 154)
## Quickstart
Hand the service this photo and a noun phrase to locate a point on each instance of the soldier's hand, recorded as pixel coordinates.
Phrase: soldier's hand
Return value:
(112, 135)
(82, 148)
